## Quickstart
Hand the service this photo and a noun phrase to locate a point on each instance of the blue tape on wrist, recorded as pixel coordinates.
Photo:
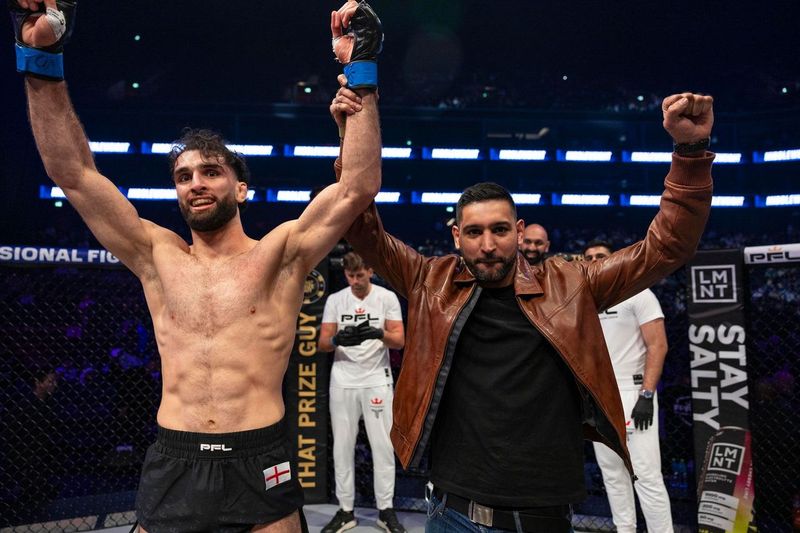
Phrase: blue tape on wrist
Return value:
(39, 62)
(362, 74)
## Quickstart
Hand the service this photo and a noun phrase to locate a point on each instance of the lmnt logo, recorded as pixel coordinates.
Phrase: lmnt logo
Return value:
(215, 448)
(726, 458)
(714, 284)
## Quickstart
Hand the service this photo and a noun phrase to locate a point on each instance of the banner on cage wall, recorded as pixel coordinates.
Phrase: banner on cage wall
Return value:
(720, 400)
(306, 391)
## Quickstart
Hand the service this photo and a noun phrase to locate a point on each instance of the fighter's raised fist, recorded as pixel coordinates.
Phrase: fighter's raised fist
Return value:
(688, 117)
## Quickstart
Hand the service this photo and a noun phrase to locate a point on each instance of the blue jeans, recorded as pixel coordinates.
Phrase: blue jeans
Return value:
(442, 519)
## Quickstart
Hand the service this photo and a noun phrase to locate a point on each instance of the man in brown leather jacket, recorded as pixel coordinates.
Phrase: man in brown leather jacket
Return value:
(505, 369)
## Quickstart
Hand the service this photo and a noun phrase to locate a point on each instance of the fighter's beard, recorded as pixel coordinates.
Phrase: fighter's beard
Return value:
(213, 219)
(507, 263)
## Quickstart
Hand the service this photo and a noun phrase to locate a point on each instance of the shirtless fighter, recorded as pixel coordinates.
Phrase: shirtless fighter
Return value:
(224, 307)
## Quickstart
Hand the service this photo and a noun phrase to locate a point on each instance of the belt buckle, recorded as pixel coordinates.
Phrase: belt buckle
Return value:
(480, 514)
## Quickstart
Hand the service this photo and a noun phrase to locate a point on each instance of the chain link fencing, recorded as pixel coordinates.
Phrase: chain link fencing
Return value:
(80, 376)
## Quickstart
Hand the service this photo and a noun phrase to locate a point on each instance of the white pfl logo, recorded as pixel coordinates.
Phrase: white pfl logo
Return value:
(215, 448)
(726, 458)
(714, 284)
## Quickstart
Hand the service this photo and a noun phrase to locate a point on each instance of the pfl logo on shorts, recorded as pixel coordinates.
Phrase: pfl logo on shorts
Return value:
(726, 458)
(376, 406)
(214, 448)
(714, 284)
(314, 288)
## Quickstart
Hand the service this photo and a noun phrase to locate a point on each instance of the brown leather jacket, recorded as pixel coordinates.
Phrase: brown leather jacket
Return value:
(560, 298)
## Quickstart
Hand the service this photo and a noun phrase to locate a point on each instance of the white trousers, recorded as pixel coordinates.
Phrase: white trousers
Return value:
(347, 407)
(646, 457)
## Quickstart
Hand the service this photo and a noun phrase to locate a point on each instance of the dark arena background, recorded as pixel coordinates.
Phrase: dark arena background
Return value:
(559, 103)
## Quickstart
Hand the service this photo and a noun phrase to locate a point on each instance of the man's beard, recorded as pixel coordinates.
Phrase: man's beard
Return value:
(213, 219)
(506, 264)
(533, 256)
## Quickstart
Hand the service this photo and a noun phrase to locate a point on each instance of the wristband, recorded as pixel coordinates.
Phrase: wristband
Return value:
(691, 148)
(40, 63)
(362, 74)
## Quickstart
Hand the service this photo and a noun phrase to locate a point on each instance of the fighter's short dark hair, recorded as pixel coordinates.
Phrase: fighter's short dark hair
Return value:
(483, 192)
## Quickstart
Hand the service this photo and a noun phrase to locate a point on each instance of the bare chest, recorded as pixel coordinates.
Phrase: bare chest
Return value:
(209, 297)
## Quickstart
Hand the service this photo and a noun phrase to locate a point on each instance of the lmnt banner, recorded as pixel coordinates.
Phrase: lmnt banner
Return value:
(725, 486)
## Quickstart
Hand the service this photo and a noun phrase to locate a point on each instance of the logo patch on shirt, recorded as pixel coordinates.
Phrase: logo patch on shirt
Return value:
(275, 475)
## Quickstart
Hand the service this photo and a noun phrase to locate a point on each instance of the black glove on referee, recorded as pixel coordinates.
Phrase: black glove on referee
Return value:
(642, 413)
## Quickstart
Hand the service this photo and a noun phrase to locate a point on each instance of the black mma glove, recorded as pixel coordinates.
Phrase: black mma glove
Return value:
(365, 332)
(348, 336)
(642, 413)
(46, 62)
(367, 32)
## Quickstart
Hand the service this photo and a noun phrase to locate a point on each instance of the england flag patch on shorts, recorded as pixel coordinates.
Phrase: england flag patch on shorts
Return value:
(275, 475)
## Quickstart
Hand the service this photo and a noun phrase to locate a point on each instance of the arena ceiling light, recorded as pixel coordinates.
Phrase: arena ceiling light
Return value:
(311, 151)
(604, 156)
(517, 155)
(526, 198)
(435, 197)
(778, 155)
(647, 157)
(257, 150)
(451, 153)
(283, 195)
(777, 200)
(581, 199)
(732, 158)
(47, 192)
(109, 147)
(727, 201)
(150, 193)
(388, 152)
(641, 200)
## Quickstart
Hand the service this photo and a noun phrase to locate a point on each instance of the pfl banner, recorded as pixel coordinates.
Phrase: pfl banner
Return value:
(720, 403)
(306, 391)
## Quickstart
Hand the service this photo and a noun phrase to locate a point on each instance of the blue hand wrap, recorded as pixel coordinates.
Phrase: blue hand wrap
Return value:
(40, 63)
(362, 74)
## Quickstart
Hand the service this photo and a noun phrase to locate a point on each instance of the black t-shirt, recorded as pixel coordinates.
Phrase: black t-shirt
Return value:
(508, 431)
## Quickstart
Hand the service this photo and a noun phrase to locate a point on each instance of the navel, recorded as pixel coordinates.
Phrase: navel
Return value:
(252, 309)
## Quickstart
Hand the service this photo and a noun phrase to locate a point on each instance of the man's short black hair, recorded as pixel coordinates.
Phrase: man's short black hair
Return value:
(210, 144)
(597, 242)
(483, 192)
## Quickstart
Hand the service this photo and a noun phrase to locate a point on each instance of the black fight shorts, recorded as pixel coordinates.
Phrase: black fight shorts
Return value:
(197, 482)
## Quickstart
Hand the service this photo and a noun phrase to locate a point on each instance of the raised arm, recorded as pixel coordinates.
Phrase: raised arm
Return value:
(675, 232)
(333, 210)
(63, 146)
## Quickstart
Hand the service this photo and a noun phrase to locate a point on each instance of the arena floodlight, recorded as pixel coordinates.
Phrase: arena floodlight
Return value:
(641, 200)
(451, 153)
(727, 201)
(258, 150)
(780, 155)
(388, 152)
(435, 197)
(156, 148)
(517, 155)
(778, 200)
(584, 199)
(292, 196)
(731, 158)
(388, 197)
(152, 193)
(526, 198)
(312, 151)
(586, 156)
(647, 157)
(109, 147)
(143, 193)
(48, 192)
